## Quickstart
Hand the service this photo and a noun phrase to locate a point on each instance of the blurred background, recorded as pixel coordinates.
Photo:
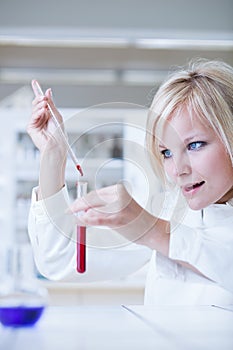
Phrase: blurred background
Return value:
(92, 52)
(104, 61)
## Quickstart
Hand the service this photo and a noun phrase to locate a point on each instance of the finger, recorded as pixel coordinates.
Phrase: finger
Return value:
(52, 106)
(92, 200)
(36, 88)
(83, 204)
(49, 94)
(91, 218)
(51, 103)
(39, 99)
(39, 106)
(40, 123)
(112, 198)
(40, 115)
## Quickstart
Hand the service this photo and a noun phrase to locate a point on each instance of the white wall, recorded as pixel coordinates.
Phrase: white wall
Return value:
(149, 14)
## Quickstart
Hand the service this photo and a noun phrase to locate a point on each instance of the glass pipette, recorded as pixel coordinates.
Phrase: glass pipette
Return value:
(69, 149)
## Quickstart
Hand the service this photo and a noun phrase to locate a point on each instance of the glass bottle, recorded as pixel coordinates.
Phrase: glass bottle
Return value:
(22, 299)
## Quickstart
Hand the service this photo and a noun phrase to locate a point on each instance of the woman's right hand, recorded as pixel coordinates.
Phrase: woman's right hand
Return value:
(41, 127)
(47, 138)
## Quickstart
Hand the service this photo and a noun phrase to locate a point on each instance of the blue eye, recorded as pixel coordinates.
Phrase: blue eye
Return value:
(166, 153)
(194, 146)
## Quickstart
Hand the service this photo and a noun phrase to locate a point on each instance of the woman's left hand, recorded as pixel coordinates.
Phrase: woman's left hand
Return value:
(114, 207)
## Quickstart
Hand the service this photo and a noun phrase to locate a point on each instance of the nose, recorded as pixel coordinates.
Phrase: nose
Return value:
(181, 166)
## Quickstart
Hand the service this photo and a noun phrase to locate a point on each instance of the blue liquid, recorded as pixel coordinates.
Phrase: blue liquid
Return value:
(20, 316)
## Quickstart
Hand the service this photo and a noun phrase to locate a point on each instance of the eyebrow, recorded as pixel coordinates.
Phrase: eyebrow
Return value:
(162, 146)
(187, 140)
(193, 137)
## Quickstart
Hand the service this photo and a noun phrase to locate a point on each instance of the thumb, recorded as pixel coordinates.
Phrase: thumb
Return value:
(49, 95)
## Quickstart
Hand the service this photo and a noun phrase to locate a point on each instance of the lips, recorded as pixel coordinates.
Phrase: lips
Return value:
(191, 187)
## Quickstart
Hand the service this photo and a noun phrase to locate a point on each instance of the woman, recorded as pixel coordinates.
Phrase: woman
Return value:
(190, 142)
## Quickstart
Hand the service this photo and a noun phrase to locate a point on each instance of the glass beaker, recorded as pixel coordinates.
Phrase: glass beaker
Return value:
(22, 299)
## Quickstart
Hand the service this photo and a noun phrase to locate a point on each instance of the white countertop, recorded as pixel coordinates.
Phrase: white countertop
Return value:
(189, 327)
(125, 327)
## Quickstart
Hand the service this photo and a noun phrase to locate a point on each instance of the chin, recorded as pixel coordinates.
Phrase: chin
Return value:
(196, 206)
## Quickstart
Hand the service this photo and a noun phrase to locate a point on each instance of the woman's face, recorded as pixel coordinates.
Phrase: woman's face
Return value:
(196, 160)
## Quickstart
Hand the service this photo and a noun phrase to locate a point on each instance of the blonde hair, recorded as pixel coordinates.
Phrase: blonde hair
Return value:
(204, 88)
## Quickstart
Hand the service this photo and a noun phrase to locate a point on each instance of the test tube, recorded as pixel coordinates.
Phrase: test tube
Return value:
(81, 233)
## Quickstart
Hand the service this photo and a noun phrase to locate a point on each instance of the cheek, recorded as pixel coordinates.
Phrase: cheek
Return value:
(214, 165)
(204, 168)
(205, 165)
(169, 168)
(225, 169)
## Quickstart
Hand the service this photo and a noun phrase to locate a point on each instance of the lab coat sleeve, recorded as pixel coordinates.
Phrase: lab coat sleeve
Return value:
(208, 248)
(52, 236)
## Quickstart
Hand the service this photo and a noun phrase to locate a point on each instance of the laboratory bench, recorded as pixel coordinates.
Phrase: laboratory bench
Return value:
(125, 291)
(125, 327)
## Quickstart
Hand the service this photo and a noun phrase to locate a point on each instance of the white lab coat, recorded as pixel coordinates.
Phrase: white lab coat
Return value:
(203, 240)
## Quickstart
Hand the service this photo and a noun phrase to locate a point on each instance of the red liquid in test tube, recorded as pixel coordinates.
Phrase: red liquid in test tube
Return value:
(81, 249)
(81, 234)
